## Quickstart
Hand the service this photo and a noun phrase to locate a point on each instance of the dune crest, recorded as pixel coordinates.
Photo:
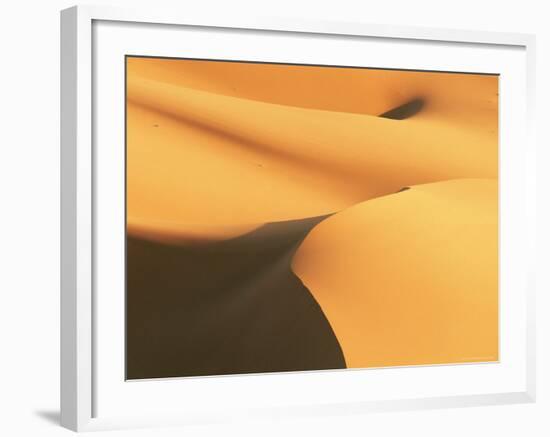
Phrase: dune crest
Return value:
(231, 158)
(472, 98)
(410, 278)
(184, 233)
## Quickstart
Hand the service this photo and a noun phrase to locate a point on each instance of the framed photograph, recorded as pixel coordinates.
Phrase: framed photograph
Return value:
(265, 218)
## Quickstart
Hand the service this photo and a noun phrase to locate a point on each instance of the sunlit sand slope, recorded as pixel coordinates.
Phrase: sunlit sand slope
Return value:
(239, 145)
(471, 98)
(410, 278)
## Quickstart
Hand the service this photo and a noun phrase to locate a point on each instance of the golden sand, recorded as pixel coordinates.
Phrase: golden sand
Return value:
(217, 149)
(211, 142)
(410, 278)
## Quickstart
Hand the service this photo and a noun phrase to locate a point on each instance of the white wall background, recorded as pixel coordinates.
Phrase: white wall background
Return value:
(29, 215)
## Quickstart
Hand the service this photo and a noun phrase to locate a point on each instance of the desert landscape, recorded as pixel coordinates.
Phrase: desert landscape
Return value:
(292, 217)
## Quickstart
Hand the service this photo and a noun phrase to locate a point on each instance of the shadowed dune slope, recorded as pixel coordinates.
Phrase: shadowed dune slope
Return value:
(410, 278)
(227, 307)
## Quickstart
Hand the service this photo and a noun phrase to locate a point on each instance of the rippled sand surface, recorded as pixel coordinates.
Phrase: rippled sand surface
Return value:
(288, 217)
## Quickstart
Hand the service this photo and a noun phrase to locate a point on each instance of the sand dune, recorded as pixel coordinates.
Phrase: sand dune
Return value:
(228, 307)
(240, 161)
(300, 218)
(470, 98)
(410, 278)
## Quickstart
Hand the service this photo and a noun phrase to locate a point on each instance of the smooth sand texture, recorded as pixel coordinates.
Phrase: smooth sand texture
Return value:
(410, 278)
(230, 165)
(203, 155)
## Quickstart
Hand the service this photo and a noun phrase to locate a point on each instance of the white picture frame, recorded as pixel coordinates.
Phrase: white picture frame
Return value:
(82, 372)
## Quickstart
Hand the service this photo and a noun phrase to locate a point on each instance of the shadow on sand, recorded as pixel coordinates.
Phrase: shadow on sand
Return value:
(227, 307)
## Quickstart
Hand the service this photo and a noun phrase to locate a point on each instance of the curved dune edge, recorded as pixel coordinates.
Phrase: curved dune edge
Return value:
(194, 156)
(184, 233)
(275, 130)
(178, 173)
(224, 307)
(470, 98)
(410, 278)
(252, 237)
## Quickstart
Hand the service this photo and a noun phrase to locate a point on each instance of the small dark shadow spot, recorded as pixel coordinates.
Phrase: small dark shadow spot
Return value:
(404, 111)
(403, 189)
(155, 125)
(52, 417)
